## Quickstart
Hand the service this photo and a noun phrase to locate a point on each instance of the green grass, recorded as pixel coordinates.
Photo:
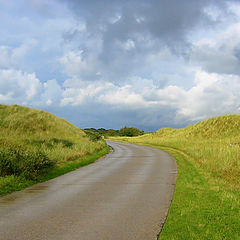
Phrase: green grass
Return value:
(36, 146)
(13, 183)
(201, 209)
(207, 196)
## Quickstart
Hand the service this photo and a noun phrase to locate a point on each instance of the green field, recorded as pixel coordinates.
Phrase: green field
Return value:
(36, 146)
(206, 203)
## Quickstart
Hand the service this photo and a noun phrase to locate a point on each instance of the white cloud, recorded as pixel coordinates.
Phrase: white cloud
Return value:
(122, 96)
(52, 92)
(77, 92)
(213, 94)
(12, 57)
(76, 64)
(171, 95)
(19, 86)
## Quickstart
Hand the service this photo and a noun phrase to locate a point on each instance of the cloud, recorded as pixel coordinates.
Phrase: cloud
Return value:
(212, 95)
(18, 86)
(221, 53)
(122, 96)
(208, 97)
(147, 105)
(167, 21)
(117, 42)
(11, 57)
(143, 63)
(31, 36)
(75, 64)
(52, 92)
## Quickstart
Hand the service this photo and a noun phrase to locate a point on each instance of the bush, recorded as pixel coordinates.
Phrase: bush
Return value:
(130, 132)
(93, 136)
(23, 163)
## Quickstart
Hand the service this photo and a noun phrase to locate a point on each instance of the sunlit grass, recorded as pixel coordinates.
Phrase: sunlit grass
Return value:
(207, 198)
(33, 131)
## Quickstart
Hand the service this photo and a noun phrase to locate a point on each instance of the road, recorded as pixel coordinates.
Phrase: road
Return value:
(124, 196)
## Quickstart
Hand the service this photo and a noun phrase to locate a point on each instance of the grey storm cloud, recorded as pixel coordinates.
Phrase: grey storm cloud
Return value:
(216, 60)
(167, 21)
(129, 31)
(237, 53)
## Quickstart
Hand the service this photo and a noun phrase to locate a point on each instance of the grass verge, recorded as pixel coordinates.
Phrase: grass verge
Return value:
(36, 146)
(13, 183)
(201, 209)
(204, 206)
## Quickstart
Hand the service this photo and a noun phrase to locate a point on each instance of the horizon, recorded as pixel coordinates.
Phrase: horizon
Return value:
(134, 63)
(129, 126)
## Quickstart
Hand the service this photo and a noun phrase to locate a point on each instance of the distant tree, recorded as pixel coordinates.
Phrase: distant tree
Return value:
(102, 131)
(130, 131)
(126, 131)
(91, 129)
(113, 132)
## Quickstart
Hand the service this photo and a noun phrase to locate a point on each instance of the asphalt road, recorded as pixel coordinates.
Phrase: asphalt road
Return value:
(124, 196)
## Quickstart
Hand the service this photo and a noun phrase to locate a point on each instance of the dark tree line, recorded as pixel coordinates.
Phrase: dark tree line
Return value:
(125, 131)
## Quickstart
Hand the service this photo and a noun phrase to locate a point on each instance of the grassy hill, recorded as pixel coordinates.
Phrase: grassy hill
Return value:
(207, 197)
(34, 143)
(213, 143)
(18, 120)
(226, 126)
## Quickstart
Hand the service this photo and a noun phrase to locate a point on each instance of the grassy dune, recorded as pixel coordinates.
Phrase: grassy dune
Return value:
(36, 145)
(207, 198)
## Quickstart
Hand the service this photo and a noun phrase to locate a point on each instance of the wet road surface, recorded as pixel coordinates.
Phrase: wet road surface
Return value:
(124, 196)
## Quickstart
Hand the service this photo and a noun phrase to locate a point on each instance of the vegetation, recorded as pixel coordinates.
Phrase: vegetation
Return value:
(207, 197)
(130, 132)
(103, 132)
(36, 145)
(24, 163)
(125, 131)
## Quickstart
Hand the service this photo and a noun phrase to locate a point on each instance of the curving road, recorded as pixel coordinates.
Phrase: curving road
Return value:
(124, 196)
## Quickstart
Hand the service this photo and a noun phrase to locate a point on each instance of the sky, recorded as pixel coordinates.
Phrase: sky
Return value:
(148, 64)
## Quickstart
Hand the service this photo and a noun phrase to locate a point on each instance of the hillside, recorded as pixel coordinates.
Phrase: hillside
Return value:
(207, 195)
(213, 143)
(33, 141)
(226, 126)
(20, 120)
(217, 127)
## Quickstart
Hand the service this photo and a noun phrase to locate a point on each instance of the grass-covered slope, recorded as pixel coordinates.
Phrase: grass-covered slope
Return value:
(227, 126)
(213, 143)
(18, 120)
(207, 197)
(36, 145)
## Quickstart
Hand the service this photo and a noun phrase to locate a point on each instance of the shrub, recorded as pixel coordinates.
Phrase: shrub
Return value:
(130, 132)
(19, 162)
(93, 136)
